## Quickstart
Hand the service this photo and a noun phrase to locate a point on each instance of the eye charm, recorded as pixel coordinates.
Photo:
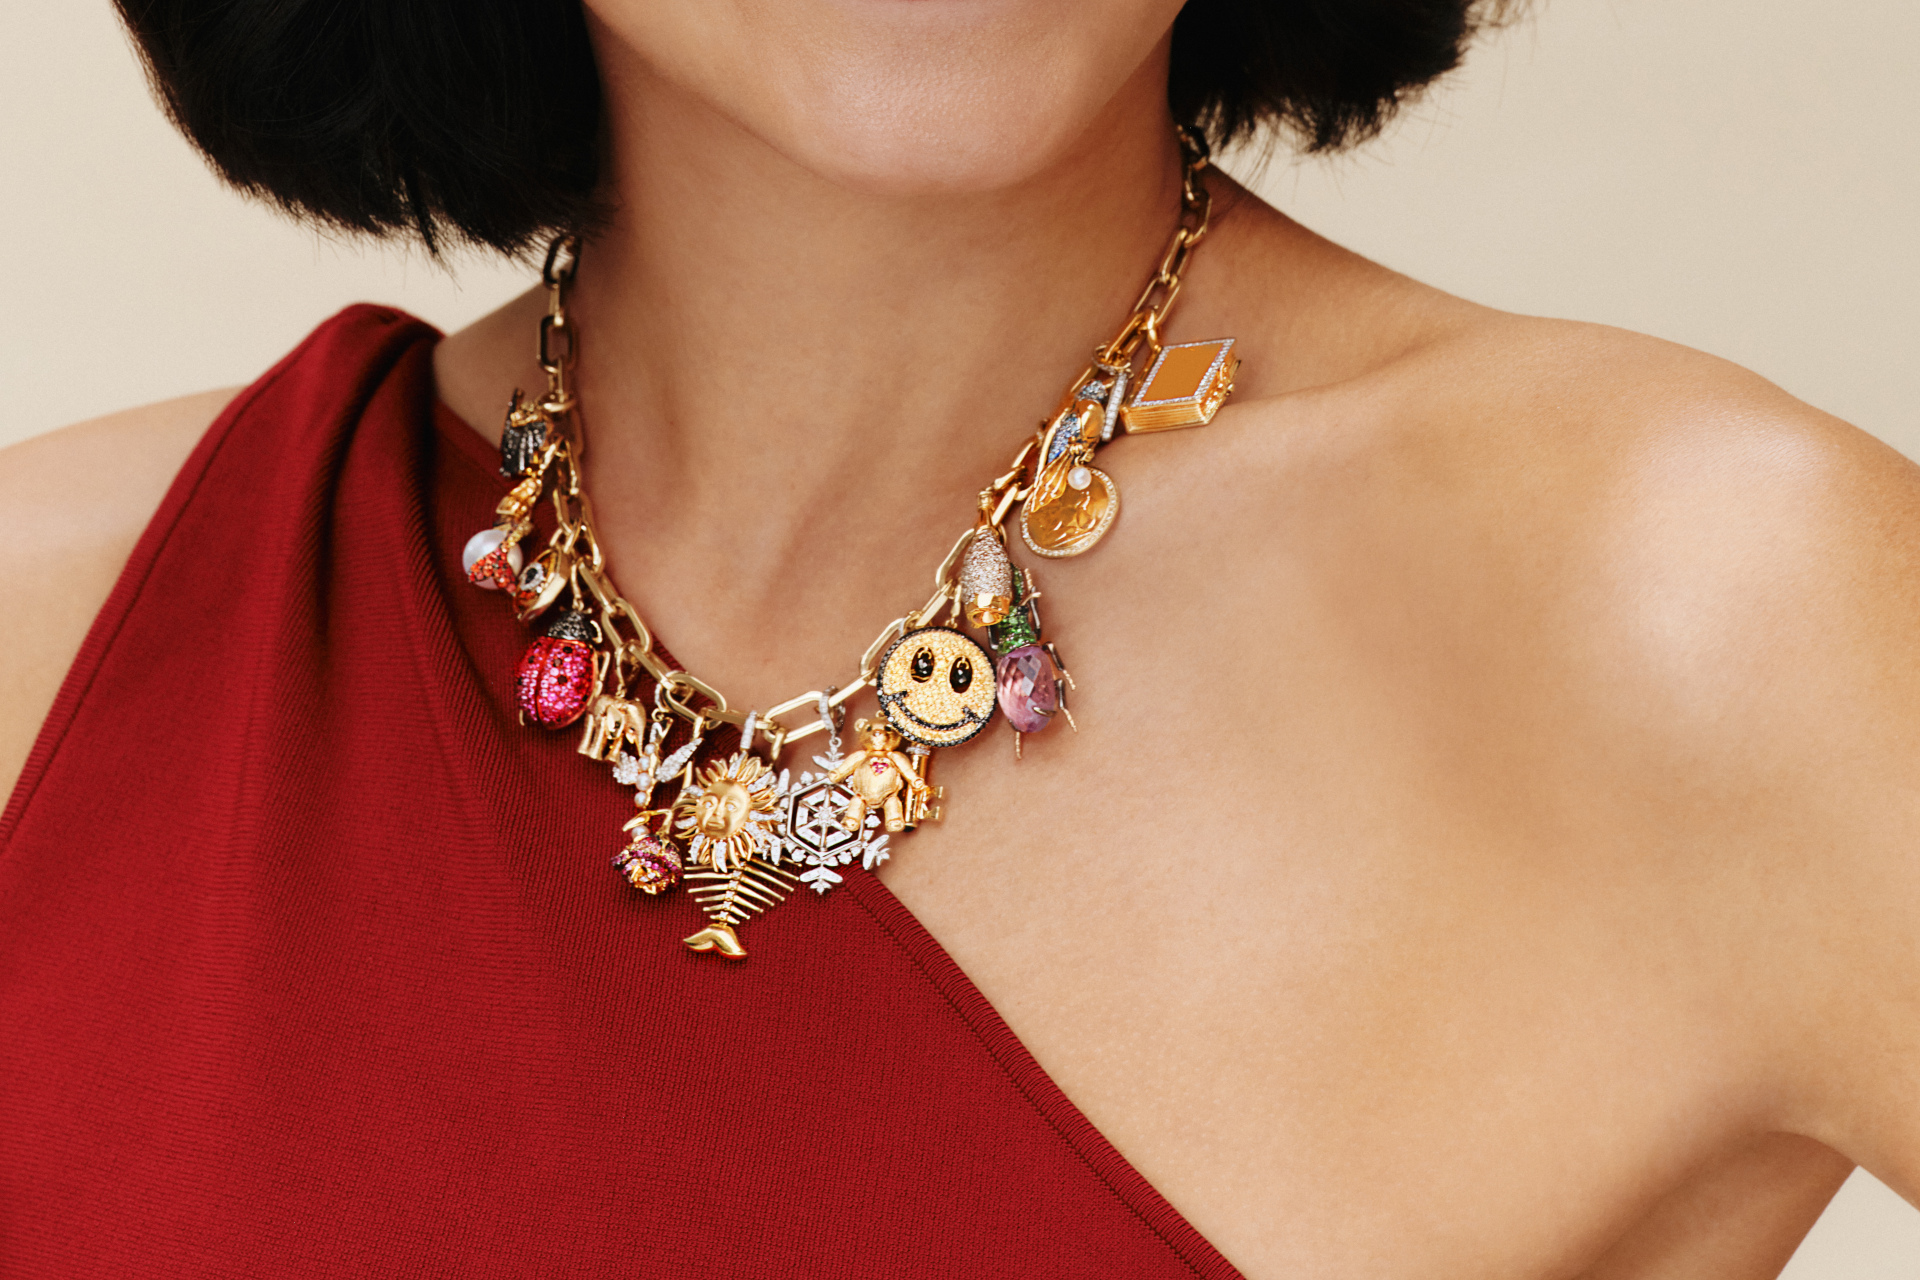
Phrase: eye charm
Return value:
(928, 690)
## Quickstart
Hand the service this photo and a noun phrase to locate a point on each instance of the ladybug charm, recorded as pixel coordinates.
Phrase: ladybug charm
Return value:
(558, 673)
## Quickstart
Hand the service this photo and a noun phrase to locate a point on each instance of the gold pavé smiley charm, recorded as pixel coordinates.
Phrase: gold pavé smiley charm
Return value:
(936, 686)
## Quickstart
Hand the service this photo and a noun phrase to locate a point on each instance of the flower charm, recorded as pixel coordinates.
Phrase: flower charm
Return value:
(649, 863)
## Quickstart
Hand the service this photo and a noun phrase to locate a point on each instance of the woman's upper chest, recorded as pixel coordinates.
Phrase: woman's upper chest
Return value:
(1364, 913)
(1327, 1013)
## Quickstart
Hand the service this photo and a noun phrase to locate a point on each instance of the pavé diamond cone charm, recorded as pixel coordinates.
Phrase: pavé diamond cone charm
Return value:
(986, 578)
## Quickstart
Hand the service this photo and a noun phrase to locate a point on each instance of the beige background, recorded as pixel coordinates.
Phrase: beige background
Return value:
(1737, 175)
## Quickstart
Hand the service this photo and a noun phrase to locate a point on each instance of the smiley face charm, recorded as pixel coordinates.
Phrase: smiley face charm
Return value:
(936, 686)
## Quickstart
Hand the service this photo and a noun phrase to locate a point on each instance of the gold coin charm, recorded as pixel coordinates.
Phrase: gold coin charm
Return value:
(936, 686)
(1071, 505)
(1076, 518)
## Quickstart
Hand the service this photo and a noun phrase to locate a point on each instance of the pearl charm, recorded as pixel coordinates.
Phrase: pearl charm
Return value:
(1079, 478)
(490, 561)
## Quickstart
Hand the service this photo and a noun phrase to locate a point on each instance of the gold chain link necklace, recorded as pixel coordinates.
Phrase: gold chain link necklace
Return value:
(745, 835)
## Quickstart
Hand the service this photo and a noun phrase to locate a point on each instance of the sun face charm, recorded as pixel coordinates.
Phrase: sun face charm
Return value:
(731, 814)
(729, 821)
(936, 686)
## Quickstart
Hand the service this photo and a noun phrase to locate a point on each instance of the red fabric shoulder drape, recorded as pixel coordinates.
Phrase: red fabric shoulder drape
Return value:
(312, 962)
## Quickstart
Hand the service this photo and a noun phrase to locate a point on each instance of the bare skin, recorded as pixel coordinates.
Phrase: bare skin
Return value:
(1486, 852)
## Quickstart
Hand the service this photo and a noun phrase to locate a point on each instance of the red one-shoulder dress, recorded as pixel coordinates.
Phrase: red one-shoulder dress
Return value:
(312, 962)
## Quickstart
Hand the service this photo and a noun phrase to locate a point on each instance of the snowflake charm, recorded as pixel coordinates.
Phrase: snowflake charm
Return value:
(812, 831)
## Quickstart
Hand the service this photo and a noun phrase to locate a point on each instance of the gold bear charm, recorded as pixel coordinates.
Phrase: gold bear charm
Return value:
(877, 776)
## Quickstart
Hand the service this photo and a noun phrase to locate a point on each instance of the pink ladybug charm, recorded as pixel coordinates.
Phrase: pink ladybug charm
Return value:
(557, 675)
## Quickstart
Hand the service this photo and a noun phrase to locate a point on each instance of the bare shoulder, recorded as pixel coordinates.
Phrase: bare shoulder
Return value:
(76, 502)
(1735, 576)
(1658, 498)
(1642, 585)
(1674, 553)
(1686, 510)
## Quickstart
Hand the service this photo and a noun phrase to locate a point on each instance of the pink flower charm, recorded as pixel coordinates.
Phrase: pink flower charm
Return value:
(556, 677)
(648, 864)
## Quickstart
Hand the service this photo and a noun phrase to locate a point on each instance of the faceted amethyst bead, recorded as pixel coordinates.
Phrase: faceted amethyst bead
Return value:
(1029, 688)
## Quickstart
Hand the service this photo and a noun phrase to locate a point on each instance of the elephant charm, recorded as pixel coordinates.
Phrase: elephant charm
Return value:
(611, 725)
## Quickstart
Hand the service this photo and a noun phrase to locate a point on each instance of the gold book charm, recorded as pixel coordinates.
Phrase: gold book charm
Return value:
(1184, 387)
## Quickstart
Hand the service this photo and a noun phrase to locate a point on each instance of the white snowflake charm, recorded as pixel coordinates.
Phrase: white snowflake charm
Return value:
(813, 809)
(814, 833)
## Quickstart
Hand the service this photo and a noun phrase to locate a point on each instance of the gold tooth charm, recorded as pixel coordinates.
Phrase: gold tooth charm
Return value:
(1185, 386)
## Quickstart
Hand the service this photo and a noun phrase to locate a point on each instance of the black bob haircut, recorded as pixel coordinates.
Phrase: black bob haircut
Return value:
(452, 120)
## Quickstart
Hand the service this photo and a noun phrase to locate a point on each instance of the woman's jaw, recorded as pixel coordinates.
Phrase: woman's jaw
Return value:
(898, 96)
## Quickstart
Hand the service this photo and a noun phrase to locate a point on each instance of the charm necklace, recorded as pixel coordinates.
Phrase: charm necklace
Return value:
(743, 834)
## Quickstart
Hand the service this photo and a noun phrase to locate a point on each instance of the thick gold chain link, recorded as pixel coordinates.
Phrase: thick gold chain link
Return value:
(628, 642)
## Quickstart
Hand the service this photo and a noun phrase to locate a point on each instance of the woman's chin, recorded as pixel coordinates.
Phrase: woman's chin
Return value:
(916, 152)
(938, 102)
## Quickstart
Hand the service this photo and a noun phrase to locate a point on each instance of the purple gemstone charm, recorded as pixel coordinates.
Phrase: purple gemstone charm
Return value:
(1029, 688)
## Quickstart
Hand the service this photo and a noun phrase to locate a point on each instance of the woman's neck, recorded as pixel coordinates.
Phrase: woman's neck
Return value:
(747, 323)
(792, 390)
